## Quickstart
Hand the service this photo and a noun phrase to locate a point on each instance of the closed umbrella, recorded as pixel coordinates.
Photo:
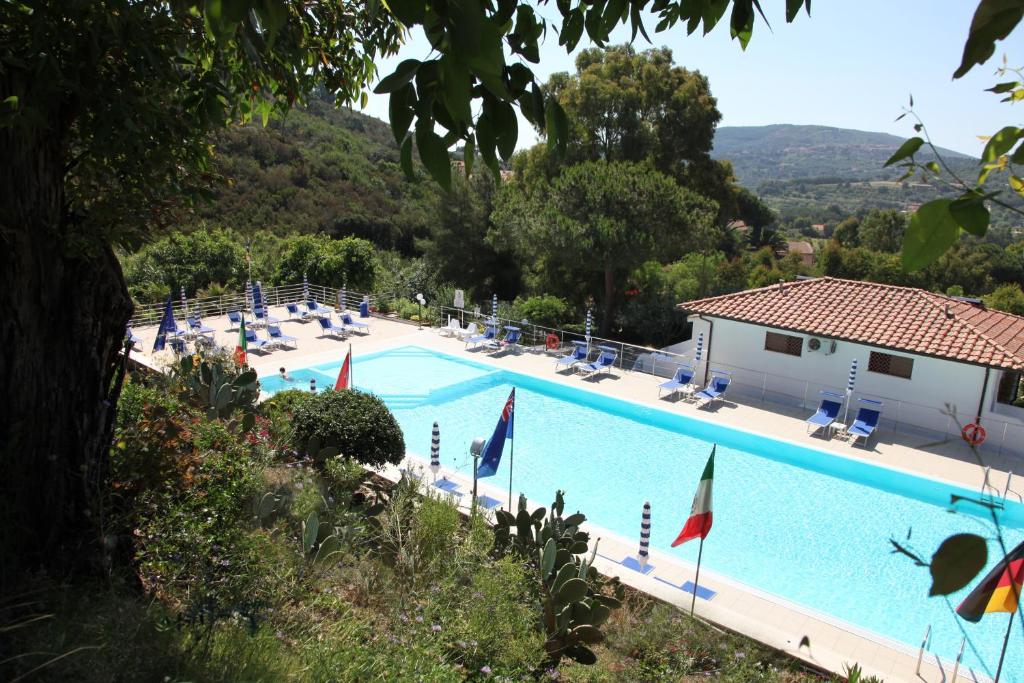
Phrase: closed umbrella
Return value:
(305, 288)
(494, 309)
(184, 302)
(588, 325)
(435, 451)
(645, 537)
(342, 299)
(851, 382)
(700, 348)
(248, 294)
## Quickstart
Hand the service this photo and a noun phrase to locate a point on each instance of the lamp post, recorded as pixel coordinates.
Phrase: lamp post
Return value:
(475, 449)
(420, 303)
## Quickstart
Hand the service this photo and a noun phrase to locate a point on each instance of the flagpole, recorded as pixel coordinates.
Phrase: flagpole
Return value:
(472, 503)
(351, 364)
(511, 462)
(1006, 641)
(696, 578)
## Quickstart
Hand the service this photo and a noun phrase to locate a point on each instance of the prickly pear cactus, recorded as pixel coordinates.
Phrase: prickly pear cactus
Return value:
(576, 600)
(215, 384)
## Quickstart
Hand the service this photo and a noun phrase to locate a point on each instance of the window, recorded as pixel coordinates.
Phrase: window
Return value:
(888, 364)
(1011, 388)
(783, 343)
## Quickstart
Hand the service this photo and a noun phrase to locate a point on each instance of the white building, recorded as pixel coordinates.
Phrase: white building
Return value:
(936, 362)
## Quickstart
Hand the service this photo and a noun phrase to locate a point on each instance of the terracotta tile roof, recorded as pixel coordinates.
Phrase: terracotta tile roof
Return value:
(897, 318)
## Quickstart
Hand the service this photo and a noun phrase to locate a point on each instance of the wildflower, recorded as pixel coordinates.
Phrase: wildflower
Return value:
(419, 619)
(739, 655)
(478, 595)
(462, 644)
(404, 616)
(436, 628)
(485, 669)
(553, 674)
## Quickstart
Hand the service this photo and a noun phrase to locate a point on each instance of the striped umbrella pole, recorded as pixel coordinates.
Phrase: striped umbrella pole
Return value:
(494, 309)
(851, 382)
(435, 451)
(248, 294)
(645, 537)
(312, 384)
(700, 349)
(184, 302)
(305, 288)
(587, 327)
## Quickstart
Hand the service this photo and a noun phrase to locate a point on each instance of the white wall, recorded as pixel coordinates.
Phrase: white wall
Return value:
(919, 401)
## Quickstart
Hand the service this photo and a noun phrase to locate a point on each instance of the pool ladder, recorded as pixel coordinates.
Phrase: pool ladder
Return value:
(987, 489)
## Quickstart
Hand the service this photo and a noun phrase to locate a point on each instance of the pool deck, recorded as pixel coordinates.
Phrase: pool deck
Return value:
(817, 638)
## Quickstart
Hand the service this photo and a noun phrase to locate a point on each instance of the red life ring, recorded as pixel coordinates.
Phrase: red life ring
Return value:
(973, 434)
(552, 341)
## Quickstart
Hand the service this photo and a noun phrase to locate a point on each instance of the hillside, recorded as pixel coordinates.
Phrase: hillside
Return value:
(789, 152)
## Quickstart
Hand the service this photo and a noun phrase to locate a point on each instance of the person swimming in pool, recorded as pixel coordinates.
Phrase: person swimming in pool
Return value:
(285, 376)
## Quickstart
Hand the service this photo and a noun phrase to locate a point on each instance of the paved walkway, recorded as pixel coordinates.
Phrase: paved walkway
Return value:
(817, 638)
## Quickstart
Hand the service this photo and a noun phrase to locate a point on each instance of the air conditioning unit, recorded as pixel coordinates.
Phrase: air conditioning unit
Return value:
(813, 343)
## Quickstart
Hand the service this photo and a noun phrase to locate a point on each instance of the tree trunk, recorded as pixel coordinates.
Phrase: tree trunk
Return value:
(609, 301)
(63, 310)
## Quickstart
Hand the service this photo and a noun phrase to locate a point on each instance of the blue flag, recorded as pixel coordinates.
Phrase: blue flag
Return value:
(496, 444)
(167, 326)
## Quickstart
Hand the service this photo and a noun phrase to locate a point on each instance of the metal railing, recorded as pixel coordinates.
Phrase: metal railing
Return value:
(149, 314)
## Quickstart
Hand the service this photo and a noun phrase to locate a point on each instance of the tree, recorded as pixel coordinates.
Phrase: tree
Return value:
(847, 232)
(106, 113)
(600, 220)
(882, 230)
(193, 261)
(1009, 298)
(350, 262)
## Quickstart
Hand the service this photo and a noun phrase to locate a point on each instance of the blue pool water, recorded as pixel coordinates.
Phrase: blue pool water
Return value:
(802, 524)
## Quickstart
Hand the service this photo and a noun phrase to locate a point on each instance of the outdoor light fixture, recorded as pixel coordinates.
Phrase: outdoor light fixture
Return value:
(476, 449)
(420, 303)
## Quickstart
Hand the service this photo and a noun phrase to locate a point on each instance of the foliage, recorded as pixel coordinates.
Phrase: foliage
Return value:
(192, 261)
(574, 599)
(1009, 298)
(213, 383)
(348, 262)
(545, 310)
(358, 424)
(882, 231)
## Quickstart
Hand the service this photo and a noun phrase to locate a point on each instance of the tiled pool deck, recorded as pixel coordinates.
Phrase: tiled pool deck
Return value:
(817, 638)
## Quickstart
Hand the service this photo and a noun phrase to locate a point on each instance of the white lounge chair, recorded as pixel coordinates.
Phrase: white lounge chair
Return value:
(471, 330)
(452, 329)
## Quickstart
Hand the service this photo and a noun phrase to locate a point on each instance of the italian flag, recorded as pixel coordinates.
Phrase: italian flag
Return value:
(345, 376)
(242, 346)
(699, 522)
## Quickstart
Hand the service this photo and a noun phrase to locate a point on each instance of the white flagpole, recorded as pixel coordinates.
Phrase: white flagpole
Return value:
(696, 578)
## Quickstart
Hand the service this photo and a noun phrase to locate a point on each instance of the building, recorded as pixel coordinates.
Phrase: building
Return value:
(805, 249)
(924, 355)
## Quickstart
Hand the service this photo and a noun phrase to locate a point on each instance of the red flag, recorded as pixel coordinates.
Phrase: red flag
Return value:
(345, 376)
(699, 522)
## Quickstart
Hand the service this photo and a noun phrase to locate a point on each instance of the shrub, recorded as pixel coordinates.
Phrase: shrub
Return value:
(358, 424)
(546, 310)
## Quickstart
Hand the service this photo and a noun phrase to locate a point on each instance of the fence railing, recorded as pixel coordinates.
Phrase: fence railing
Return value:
(279, 295)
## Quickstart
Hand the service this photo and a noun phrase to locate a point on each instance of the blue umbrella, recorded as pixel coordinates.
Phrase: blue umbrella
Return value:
(588, 325)
(435, 450)
(248, 294)
(312, 384)
(167, 326)
(494, 308)
(851, 382)
(645, 537)
(305, 287)
(184, 301)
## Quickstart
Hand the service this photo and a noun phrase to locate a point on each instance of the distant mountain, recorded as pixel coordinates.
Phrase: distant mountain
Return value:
(790, 152)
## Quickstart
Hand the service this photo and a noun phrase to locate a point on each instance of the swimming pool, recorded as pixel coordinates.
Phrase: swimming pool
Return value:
(790, 520)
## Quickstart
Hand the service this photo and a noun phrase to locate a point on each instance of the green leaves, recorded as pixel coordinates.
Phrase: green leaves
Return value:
(993, 20)
(408, 12)
(970, 213)
(401, 111)
(1001, 143)
(907, 149)
(957, 561)
(932, 230)
(310, 529)
(557, 127)
(402, 74)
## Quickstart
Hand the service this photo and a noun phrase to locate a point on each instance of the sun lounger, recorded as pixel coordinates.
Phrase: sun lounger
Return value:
(235, 318)
(452, 329)
(348, 321)
(683, 378)
(198, 327)
(578, 355)
(315, 308)
(827, 412)
(131, 336)
(714, 390)
(295, 312)
(867, 421)
(489, 333)
(604, 363)
(471, 330)
(329, 329)
(262, 317)
(510, 341)
(177, 345)
(254, 343)
(278, 338)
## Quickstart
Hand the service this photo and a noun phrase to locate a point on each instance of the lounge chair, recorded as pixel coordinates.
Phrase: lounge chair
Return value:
(452, 329)
(262, 317)
(682, 379)
(471, 330)
(867, 421)
(315, 308)
(511, 340)
(198, 327)
(131, 336)
(295, 312)
(177, 345)
(329, 329)
(278, 338)
(714, 390)
(347, 321)
(489, 334)
(235, 318)
(254, 343)
(603, 363)
(578, 355)
(827, 412)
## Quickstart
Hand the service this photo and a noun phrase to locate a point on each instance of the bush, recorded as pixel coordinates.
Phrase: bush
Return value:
(358, 424)
(546, 310)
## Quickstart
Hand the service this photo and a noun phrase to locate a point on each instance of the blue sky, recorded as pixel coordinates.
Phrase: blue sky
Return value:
(850, 65)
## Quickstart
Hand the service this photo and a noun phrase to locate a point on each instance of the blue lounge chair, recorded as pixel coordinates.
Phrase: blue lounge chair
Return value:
(235, 318)
(682, 378)
(603, 363)
(578, 355)
(198, 327)
(254, 343)
(329, 329)
(867, 421)
(131, 336)
(490, 332)
(347, 321)
(827, 412)
(277, 338)
(295, 312)
(262, 317)
(315, 308)
(177, 345)
(511, 340)
(720, 381)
